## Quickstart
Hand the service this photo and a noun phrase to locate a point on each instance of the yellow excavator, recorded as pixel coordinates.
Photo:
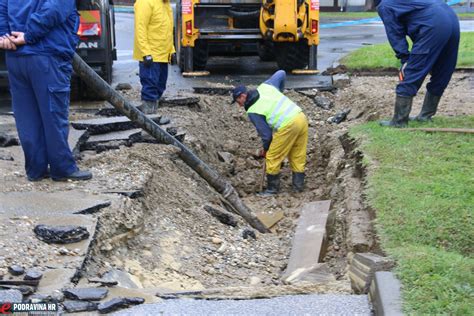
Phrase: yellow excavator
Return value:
(286, 31)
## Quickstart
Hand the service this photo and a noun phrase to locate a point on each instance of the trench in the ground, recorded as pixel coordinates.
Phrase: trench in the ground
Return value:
(168, 243)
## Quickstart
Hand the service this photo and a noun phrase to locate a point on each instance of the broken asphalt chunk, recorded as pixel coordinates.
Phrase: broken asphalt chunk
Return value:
(222, 216)
(248, 233)
(103, 282)
(16, 270)
(10, 296)
(33, 275)
(79, 306)
(86, 294)
(119, 303)
(109, 124)
(61, 234)
(339, 117)
(8, 140)
(179, 101)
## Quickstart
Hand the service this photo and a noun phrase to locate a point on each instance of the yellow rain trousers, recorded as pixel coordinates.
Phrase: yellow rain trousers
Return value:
(153, 30)
(291, 141)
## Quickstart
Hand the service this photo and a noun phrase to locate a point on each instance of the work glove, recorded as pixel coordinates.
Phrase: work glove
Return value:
(401, 72)
(148, 61)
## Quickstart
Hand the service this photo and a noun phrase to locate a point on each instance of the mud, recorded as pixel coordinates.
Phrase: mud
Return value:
(166, 241)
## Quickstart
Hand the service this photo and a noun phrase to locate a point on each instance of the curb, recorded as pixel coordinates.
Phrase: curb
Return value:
(385, 294)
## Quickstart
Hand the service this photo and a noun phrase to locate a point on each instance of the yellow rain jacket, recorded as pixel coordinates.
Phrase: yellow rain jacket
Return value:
(153, 30)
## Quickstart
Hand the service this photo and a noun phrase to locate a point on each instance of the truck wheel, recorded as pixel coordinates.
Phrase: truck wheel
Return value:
(291, 56)
(266, 51)
(200, 55)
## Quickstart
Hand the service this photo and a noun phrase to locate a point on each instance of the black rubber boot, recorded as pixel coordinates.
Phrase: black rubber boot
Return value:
(273, 185)
(401, 114)
(429, 108)
(298, 181)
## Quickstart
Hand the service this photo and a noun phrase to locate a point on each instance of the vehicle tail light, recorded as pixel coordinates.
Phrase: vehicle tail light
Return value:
(314, 26)
(89, 24)
(189, 28)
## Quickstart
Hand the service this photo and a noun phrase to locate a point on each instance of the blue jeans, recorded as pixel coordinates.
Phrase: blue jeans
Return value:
(153, 80)
(40, 89)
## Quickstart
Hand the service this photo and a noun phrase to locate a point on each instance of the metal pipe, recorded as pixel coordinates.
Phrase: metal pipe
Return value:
(94, 81)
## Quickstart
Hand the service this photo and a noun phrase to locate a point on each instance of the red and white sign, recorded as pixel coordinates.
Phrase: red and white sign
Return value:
(314, 5)
(187, 7)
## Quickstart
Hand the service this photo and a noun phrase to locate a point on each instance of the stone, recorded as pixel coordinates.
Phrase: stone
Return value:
(6, 157)
(103, 282)
(216, 241)
(33, 275)
(255, 280)
(10, 296)
(248, 233)
(323, 102)
(123, 86)
(122, 278)
(61, 234)
(225, 157)
(16, 270)
(339, 117)
(7, 140)
(79, 306)
(269, 219)
(119, 303)
(86, 294)
(341, 80)
(221, 215)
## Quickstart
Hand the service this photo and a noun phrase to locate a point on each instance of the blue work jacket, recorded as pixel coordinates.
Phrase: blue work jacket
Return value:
(50, 26)
(417, 19)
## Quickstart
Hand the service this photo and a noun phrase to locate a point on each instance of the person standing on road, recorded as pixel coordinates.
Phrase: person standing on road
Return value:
(281, 125)
(153, 49)
(433, 28)
(40, 39)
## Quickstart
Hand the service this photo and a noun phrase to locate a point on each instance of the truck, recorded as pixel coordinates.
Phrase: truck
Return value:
(96, 40)
(285, 31)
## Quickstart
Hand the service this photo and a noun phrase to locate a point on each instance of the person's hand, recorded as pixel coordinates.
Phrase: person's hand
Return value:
(17, 38)
(173, 59)
(401, 73)
(148, 61)
(262, 153)
(6, 43)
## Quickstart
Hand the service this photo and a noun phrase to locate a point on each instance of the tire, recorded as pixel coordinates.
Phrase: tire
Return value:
(291, 56)
(266, 51)
(200, 55)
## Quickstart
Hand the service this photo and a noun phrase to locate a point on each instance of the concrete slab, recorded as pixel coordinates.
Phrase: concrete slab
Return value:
(112, 140)
(308, 246)
(55, 203)
(385, 294)
(76, 139)
(108, 124)
(363, 267)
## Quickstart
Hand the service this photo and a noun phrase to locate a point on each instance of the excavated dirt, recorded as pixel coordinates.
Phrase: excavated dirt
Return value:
(167, 241)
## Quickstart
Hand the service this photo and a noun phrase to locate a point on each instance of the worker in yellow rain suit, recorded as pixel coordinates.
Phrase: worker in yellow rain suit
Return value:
(281, 125)
(153, 49)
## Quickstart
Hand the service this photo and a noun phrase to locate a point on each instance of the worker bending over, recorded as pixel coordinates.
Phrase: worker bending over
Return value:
(433, 28)
(282, 126)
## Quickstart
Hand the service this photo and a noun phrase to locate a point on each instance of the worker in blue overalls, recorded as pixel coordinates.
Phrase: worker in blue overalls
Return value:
(40, 39)
(433, 28)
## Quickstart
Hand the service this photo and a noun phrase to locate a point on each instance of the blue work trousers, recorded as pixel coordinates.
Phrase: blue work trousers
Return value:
(40, 89)
(436, 53)
(153, 80)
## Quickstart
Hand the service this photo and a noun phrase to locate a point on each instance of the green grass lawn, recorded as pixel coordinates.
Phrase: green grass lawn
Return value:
(382, 56)
(422, 188)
